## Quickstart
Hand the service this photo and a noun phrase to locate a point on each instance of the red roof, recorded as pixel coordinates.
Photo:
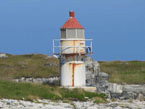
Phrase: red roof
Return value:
(72, 22)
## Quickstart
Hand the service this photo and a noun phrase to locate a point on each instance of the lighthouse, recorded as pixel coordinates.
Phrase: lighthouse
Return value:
(72, 48)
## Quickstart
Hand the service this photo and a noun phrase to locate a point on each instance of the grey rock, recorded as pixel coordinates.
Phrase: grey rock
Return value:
(115, 95)
(141, 97)
(22, 79)
(53, 81)
(115, 88)
(38, 80)
(28, 79)
(50, 80)
(50, 64)
(92, 70)
(104, 76)
(134, 88)
(133, 92)
(47, 104)
(8, 102)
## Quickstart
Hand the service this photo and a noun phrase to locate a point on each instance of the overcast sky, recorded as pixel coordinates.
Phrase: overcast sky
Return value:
(117, 27)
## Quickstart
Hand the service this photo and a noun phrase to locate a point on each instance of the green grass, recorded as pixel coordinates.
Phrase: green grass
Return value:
(31, 92)
(27, 65)
(131, 72)
(98, 100)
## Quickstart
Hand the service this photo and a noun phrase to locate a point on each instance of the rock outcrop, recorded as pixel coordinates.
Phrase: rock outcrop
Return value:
(50, 80)
(100, 80)
(92, 71)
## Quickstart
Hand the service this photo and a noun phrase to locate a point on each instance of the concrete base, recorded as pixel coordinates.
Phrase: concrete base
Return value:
(89, 89)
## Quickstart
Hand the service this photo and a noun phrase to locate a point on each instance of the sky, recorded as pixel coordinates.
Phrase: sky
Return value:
(117, 27)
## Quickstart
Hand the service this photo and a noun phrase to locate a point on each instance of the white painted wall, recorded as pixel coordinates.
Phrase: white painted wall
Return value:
(79, 74)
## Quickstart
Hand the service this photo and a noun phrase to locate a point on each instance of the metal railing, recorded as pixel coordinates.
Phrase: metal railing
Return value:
(57, 45)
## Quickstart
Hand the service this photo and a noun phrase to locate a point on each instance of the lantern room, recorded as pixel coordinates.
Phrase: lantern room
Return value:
(72, 28)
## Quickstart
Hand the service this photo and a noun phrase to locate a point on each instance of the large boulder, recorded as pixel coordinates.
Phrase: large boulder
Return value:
(94, 77)
(133, 92)
(115, 88)
(92, 70)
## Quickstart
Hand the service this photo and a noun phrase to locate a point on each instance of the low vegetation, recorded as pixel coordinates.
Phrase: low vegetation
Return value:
(99, 100)
(35, 65)
(27, 91)
(131, 72)
(27, 65)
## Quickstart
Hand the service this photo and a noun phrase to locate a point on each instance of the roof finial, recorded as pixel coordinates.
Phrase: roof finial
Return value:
(71, 13)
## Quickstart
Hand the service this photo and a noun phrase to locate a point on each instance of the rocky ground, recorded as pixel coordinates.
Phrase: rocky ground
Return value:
(47, 104)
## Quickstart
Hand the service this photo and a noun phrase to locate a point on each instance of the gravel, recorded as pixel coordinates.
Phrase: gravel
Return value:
(47, 104)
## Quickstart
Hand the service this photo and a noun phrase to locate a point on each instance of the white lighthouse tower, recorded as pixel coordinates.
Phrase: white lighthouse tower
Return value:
(72, 52)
